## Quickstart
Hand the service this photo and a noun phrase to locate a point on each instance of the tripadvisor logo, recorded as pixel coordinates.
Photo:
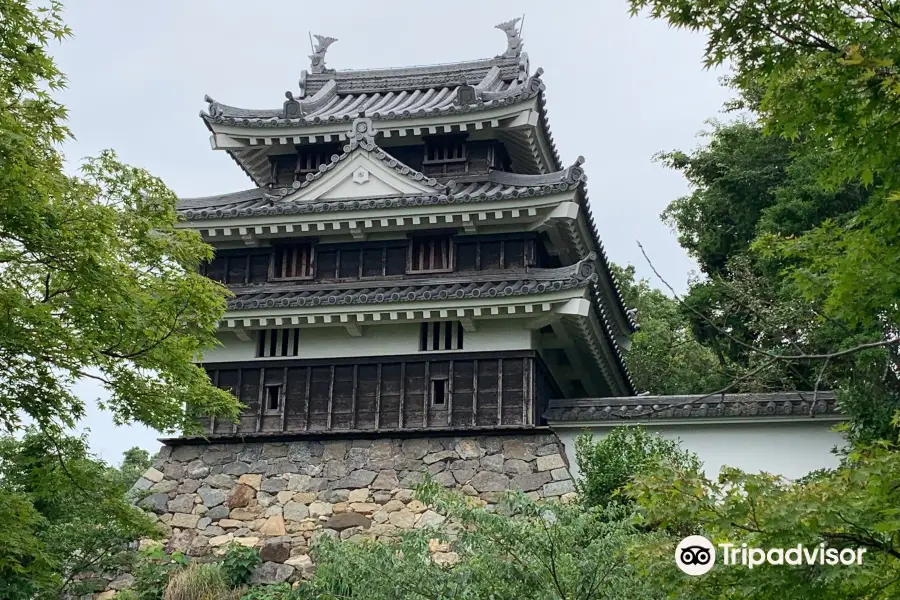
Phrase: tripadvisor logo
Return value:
(696, 555)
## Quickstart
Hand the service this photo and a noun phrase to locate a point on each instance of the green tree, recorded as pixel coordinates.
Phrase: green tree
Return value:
(823, 75)
(97, 280)
(63, 513)
(523, 550)
(664, 357)
(135, 461)
(854, 506)
(608, 465)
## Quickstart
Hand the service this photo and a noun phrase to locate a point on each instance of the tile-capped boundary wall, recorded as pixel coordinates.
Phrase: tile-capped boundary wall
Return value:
(279, 496)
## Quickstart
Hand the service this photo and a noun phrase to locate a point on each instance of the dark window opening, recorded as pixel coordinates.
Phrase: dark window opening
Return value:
(277, 342)
(430, 255)
(438, 392)
(441, 335)
(449, 150)
(292, 262)
(273, 397)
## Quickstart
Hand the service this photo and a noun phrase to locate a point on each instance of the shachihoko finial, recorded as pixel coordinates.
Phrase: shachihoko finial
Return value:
(317, 58)
(513, 40)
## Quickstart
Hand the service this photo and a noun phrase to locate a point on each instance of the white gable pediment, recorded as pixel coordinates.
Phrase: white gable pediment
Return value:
(360, 175)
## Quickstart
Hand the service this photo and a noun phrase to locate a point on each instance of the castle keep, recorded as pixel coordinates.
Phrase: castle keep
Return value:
(416, 274)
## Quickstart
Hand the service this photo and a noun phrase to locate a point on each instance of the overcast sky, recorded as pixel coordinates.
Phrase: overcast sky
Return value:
(619, 89)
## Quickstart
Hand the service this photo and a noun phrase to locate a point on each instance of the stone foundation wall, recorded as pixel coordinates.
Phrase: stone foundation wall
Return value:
(280, 496)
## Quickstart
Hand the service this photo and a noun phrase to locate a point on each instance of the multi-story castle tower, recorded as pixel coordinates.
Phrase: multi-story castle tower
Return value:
(413, 255)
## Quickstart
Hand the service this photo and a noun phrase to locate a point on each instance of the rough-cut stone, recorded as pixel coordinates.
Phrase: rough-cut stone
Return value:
(386, 480)
(530, 482)
(203, 523)
(445, 479)
(107, 595)
(347, 520)
(305, 497)
(357, 479)
(154, 475)
(514, 466)
(393, 506)
(445, 558)
(219, 512)
(295, 511)
(360, 495)
(142, 484)
(463, 475)
(516, 449)
(283, 497)
(560, 474)
(275, 552)
(122, 582)
(493, 462)
(402, 519)
(184, 520)
(280, 466)
(248, 541)
(241, 496)
(301, 562)
(429, 519)
(211, 497)
(550, 462)
(416, 506)
(246, 514)
(273, 526)
(221, 540)
(336, 469)
(216, 457)
(298, 483)
(185, 453)
(188, 486)
(364, 507)
(273, 485)
(321, 509)
(273, 510)
(231, 523)
(338, 495)
(415, 448)
(181, 540)
(237, 468)
(274, 451)
(557, 488)
(253, 480)
(165, 486)
(487, 481)
(155, 502)
(469, 448)
(335, 450)
(546, 449)
(220, 480)
(438, 456)
(259, 466)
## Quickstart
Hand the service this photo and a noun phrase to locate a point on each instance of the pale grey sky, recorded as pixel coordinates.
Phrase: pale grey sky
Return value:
(619, 89)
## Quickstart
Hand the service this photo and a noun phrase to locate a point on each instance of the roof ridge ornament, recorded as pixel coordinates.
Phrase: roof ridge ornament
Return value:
(362, 133)
(575, 174)
(513, 40)
(466, 94)
(214, 109)
(317, 58)
(292, 108)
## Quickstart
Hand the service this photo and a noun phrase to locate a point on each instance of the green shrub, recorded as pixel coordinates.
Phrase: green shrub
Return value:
(201, 582)
(153, 571)
(281, 591)
(621, 454)
(238, 564)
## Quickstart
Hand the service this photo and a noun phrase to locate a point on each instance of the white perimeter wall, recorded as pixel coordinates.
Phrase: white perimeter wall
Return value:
(791, 449)
(377, 340)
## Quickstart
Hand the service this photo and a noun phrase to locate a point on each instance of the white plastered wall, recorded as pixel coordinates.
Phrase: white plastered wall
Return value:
(791, 449)
(377, 340)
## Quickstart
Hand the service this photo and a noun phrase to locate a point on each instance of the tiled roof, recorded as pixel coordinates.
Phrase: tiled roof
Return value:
(451, 286)
(330, 106)
(724, 406)
(492, 186)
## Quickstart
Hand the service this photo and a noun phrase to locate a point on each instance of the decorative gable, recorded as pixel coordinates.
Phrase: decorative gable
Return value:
(363, 171)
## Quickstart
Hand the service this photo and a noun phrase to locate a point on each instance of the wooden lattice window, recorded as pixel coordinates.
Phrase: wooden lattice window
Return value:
(430, 255)
(277, 342)
(441, 335)
(292, 262)
(272, 398)
(439, 151)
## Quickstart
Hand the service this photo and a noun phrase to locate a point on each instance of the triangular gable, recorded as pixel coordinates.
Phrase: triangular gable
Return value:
(361, 174)
(364, 171)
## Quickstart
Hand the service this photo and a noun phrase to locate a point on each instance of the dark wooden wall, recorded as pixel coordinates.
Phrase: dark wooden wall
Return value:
(483, 390)
(355, 261)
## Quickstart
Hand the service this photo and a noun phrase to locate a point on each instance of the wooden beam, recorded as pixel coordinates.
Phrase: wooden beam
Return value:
(284, 385)
(475, 393)
(330, 397)
(499, 391)
(427, 387)
(353, 397)
(354, 329)
(468, 324)
(308, 385)
(234, 426)
(262, 398)
(402, 393)
(450, 396)
(378, 398)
